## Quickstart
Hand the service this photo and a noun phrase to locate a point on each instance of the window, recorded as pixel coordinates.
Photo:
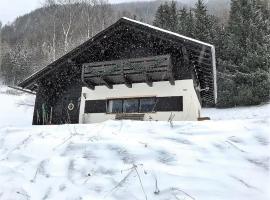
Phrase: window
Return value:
(131, 106)
(147, 105)
(115, 106)
(165, 104)
(95, 106)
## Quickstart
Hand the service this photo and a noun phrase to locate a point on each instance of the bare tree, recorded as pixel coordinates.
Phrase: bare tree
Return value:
(105, 13)
(96, 15)
(67, 17)
(20, 57)
(63, 15)
(50, 48)
(88, 16)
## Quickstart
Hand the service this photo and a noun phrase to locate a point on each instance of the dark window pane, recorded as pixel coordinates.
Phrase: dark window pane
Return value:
(131, 106)
(95, 106)
(115, 106)
(165, 104)
(147, 104)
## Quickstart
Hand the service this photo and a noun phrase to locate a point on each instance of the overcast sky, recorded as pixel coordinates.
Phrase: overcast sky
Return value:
(10, 9)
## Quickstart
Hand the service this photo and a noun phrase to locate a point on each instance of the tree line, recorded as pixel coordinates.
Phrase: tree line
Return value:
(36, 39)
(242, 46)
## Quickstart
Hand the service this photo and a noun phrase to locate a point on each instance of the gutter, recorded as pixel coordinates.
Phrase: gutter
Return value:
(22, 90)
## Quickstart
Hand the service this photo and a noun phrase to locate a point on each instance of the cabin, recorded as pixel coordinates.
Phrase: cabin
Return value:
(131, 70)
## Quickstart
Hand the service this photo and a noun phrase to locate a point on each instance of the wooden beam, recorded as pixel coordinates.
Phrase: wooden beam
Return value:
(128, 82)
(171, 78)
(199, 53)
(22, 90)
(185, 55)
(202, 59)
(108, 83)
(170, 73)
(148, 80)
(89, 85)
(163, 59)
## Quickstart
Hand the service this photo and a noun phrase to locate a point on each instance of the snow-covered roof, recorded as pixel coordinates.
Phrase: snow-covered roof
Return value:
(168, 32)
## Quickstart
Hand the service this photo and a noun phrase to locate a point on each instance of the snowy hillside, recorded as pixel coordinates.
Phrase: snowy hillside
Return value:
(252, 112)
(211, 160)
(15, 110)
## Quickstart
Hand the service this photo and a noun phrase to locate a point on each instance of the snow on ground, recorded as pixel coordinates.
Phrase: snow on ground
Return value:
(15, 110)
(211, 160)
(251, 112)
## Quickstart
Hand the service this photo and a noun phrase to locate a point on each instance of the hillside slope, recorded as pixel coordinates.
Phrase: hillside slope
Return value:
(212, 160)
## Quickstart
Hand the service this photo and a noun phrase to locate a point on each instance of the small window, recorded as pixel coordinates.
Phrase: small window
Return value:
(147, 105)
(131, 106)
(115, 106)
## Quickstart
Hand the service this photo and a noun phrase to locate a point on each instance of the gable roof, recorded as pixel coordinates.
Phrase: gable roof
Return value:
(199, 46)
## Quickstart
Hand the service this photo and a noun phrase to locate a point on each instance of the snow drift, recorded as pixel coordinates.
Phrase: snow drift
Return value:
(15, 110)
(211, 160)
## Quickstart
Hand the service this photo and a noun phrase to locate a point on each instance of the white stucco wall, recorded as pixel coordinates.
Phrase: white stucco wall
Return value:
(191, 104)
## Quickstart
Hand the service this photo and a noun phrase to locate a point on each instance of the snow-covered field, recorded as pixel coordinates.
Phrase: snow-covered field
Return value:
(213, 160)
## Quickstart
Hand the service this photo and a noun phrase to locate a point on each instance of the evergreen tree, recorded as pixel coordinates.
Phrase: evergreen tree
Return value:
(248, 48)
(190, 24)
(202, 23)
(173, 17)
(166, 16)
(161, 16)
(242, 47)
(185, 24)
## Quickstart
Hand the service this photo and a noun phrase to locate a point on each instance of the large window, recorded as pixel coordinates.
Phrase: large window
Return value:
(135, 105)
(132, 105)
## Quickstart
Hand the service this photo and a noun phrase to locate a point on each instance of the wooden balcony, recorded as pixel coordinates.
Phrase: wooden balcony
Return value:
(129, 71)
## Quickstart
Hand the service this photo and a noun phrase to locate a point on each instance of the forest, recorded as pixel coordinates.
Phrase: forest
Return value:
(240, 33)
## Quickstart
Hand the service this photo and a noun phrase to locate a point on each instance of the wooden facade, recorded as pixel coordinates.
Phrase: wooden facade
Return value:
(125, 53)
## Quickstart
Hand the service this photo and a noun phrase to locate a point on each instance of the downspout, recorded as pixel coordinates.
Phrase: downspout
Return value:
(214, 72)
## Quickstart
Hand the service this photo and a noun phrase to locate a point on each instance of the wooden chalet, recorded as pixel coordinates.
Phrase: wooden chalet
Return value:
(131, 70)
